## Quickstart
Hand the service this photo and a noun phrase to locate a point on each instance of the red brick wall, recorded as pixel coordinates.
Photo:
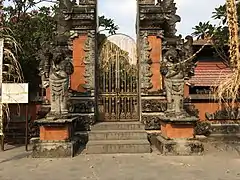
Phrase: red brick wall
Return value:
(54, 133)
(77, 78)
(156, 45)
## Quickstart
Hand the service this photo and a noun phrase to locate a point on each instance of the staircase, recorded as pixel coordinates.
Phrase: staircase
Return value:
(118, 137)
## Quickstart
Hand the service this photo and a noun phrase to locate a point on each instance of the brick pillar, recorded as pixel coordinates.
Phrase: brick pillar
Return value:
(153, 101)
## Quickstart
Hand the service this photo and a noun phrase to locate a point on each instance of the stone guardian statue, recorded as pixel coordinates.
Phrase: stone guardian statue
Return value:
(176, 67)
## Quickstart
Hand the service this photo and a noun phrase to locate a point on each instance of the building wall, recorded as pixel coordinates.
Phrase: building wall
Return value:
(204, 107)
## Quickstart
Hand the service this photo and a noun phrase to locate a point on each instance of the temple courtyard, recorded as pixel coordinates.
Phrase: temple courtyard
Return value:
(219, 162)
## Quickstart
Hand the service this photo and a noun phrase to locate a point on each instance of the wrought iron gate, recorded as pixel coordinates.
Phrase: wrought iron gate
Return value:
(118, 79)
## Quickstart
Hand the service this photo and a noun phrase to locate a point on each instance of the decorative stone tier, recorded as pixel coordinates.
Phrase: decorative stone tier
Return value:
(84, 108)
(56, 137)
(152, 109)
(54, 149)
(177, 137)
(179, 146)
(225, 127)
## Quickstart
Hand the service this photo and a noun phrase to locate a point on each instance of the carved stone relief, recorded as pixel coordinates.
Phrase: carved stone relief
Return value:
(89, 61)
(81, 106)
(152, 122)
(145, 62)
(154, 105)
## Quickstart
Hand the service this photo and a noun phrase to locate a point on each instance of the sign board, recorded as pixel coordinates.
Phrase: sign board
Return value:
(15, 93)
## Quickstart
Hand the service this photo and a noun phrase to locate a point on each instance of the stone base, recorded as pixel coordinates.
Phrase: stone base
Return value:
(180, 147)
(182, 127)
(54, 149)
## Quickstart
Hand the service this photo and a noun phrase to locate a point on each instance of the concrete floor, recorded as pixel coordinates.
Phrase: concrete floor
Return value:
(215, 165)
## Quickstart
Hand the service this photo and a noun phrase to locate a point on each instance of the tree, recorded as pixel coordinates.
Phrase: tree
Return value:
(219, 33)
(107, 24)
(31, 26)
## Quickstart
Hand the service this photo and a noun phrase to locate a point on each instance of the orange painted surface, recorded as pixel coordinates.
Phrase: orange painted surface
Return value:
(156, 45)
(77, 78)
(54, 133)
(204, 107)
(177, 131)
(186, 90)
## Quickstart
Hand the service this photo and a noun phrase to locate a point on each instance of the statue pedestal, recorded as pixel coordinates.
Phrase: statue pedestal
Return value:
(177, 137)
(56, 138)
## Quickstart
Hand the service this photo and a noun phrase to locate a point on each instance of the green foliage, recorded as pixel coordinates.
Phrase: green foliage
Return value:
(218, 32)
(108, 25)
(30, 27)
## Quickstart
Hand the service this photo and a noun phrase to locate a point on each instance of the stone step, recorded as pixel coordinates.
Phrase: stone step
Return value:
(118, 126)
(117, 134)
(118, 146)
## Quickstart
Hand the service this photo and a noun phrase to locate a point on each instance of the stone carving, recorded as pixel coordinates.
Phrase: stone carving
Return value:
(159, 16)
(81, 106)
(89, 61)
(85, 122)
(168, 9)
(177, 65)
(145, 63)
(191, 109)
(202, 128)
(56, 63)
(222, 128)
(55, 68)
(225, 114)
(153, 105)
(152, 122)
(63, 18)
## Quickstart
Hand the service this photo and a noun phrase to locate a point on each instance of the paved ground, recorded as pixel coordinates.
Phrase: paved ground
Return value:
(15, 165)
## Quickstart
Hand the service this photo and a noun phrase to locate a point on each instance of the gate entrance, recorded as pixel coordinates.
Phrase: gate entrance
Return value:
(118, 79)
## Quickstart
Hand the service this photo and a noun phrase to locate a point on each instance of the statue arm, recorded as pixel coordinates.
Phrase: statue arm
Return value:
(175, 71)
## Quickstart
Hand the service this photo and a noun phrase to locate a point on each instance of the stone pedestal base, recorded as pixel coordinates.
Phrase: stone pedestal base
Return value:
(177, 130)
(182, 147)
(54, 149)
(177, 137)
(56, 138)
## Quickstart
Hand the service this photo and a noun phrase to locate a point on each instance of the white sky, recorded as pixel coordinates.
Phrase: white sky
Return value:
(124, 13)
(191, 11)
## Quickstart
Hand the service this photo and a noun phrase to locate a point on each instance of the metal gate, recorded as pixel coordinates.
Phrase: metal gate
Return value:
(118, 79)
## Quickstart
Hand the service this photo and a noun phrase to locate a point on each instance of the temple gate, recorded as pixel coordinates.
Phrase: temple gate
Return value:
(99, 99)
(120, 81)
(117, 79)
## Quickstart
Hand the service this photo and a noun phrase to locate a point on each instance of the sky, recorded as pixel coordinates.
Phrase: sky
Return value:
(191, 11)
(124, 13)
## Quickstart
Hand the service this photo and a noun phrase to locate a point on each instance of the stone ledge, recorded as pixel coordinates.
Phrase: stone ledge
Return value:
(179, 147)
(56, 149)
(180, 120)
(52, 120)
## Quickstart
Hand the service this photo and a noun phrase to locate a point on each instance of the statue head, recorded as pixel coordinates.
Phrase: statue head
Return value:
(171, 55)
(58, 55)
